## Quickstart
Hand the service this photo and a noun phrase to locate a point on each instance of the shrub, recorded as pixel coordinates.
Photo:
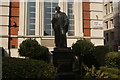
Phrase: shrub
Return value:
(94, 73)
(3, 52)
(32, 49)
(84, 50)
(112, 59)
(111, 71)
(27, 68)
(82, 47)
(100, 52)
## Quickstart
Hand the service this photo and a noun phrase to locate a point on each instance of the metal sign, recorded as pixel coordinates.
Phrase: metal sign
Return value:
(98, 24)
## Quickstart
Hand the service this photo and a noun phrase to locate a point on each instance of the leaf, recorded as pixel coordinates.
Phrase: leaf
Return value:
(93, 68)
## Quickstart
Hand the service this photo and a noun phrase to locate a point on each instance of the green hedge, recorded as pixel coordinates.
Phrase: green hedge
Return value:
(112, 59)
(83, 47)
(111, 71)
(27, 68)
(84, 50)
(100, 52)
(32, 49)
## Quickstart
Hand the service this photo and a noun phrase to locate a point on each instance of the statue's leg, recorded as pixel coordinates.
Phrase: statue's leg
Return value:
(56, 41)
(57, 38)
(63, 40)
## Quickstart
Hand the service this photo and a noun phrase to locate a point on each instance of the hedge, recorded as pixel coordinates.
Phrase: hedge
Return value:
(27, 68)
(83, 47)
(32, 49)
(84, 50)
(111, 71)
(100, 52)
(112, 59)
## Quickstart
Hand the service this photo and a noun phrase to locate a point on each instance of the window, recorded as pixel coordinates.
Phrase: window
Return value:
(106, 10)
(71, 19)
(31, 13)
(111, 7)
(49, 10)
(111, 23)
(106, 24)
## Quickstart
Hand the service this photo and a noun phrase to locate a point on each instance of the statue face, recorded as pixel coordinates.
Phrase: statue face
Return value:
(57, 8)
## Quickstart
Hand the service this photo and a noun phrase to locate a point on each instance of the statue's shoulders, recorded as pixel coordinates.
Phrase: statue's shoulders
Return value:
(53, 15)
(63, 13)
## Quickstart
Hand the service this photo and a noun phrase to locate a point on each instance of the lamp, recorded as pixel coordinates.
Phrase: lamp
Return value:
(14, 24)
(97, 17)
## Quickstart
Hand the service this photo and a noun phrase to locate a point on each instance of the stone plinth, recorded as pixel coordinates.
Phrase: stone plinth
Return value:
(63, 59)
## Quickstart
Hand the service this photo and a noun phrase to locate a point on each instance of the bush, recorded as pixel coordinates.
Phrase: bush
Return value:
(100, 52)
(94, 73)
(112, 72)
(27, 68)
(84, 50)
(112, 59)
(32, 49)
(3, 52)
(82, 47)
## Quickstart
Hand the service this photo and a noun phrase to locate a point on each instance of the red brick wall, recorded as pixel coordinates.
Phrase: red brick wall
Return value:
(14, 42)
(86, 19)
(87, 32)
(86, 24)
(14, 17)
(15, 3)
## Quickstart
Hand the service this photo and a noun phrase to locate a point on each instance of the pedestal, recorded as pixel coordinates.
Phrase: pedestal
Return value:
(63, 61)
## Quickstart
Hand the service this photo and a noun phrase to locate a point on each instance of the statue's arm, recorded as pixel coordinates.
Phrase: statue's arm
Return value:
(66, 24)
(53, 21)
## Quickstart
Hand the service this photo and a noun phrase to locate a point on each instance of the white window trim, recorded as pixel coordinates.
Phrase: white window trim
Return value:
(39, 30)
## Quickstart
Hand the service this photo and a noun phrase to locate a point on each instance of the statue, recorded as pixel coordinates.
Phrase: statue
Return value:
(60, 26)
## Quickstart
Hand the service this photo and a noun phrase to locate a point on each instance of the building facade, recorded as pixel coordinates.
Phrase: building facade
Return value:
(22, 20)
(111, 24)
(109, 30)
(116, 24)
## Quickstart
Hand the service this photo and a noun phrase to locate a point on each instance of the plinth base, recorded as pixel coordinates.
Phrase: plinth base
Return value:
(63, 59)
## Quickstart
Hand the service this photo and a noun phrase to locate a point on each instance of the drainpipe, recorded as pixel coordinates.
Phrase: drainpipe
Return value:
(9, 29)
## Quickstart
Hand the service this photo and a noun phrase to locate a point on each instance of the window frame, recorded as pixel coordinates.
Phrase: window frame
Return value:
(28, 29)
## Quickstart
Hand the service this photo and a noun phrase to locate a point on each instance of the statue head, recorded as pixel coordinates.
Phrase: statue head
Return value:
(57, 9)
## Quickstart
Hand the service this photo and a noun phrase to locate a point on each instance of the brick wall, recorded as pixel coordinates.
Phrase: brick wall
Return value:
(13, 42)
(86, 19)
(14, 23)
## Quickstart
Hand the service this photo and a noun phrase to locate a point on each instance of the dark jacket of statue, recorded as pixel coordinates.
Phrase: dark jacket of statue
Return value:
(60, 26)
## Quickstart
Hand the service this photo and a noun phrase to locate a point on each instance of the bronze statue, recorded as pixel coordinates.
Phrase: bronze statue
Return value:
(60, 26)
